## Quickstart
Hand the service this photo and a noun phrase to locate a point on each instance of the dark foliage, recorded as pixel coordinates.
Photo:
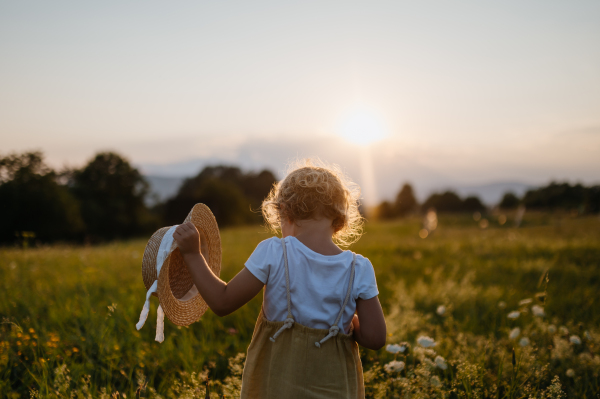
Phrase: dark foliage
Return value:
(405, 201)
(111, 193)
(509, 201)
(232, 195)
(450, 202)
(564, 196)
(404, 204)
(385, 210)
(33, 204)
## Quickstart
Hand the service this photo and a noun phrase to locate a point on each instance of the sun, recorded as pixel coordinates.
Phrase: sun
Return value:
(361, 126)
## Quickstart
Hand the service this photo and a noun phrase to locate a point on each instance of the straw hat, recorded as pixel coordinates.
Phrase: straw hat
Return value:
(165, 274)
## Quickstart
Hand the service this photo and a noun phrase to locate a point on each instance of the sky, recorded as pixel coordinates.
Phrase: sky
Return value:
(430, 92)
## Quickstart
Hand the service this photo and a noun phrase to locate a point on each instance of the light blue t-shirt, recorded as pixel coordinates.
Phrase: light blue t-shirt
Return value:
(318, 283)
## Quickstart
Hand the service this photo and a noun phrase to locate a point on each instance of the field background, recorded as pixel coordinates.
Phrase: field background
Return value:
(69, 313)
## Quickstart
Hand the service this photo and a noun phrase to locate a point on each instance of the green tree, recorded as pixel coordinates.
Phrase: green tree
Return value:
(231, 194)
(445, 202)
(31, 200)
(556, 196)
(384, 211)
(112, 193)
(405, 201)
(472, 204)
(450, 202)
(509, 201)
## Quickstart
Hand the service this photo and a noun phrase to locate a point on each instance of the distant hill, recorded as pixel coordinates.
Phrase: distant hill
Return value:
(162, 187)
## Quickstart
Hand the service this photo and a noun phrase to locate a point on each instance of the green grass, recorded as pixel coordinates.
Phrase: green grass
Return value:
(69, 313)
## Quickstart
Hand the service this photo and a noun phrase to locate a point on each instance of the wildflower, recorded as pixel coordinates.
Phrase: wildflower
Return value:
(514, 314)
(232, 331)
(394, 366)
(575, 339)
(570, 373)
(441, 310)
(537, 310)
(514, 333)
(525, 301)
(562, 330)
(393, 348)
(524, 341)
(551, 328)
(404, 346)
(435, 381)
(425, 342)
(441, 362)
(587, 335)
(501, 304)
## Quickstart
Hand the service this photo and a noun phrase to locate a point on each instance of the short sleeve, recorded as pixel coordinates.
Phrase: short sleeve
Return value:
(366, 284)
(259, 263)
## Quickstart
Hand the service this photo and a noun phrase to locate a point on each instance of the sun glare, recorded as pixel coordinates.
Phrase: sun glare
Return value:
(362, 127)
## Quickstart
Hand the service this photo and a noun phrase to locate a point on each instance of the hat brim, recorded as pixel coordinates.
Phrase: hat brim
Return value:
(182, 304)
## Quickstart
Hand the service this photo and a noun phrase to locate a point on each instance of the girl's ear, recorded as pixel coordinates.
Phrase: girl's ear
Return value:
(283, 217)
(337, 224)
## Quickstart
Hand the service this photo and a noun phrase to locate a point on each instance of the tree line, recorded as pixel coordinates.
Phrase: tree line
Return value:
(553, 197)
(557, 197)
(405, 204)
(105, 199)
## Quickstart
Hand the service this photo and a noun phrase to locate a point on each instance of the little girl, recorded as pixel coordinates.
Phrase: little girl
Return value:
(319, 300)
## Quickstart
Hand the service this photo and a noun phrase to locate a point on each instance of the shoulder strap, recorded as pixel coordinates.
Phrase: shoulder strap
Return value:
(334, 329)
(289, 321)
(287, 279)
(337, 320)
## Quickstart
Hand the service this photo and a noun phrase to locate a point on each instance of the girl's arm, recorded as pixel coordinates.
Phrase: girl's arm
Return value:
(222, 298)
(369, 323)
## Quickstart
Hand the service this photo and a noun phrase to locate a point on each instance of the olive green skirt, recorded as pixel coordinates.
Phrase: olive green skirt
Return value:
(293, 367)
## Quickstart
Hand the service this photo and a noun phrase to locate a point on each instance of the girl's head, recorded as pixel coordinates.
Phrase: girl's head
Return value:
(314, 190)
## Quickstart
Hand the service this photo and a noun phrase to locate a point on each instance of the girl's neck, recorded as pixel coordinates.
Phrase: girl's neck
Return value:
(316, 234)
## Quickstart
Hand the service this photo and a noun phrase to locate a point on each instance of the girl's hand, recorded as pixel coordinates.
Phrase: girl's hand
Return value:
(187, 238)
(221, 297)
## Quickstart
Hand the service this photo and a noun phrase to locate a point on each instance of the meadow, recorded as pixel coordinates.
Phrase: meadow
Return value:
(472, 312)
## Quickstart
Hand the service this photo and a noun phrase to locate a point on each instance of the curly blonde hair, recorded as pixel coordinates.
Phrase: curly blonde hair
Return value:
(314, 189)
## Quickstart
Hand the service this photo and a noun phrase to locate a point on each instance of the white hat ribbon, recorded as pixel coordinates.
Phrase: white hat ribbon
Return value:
(163, 251)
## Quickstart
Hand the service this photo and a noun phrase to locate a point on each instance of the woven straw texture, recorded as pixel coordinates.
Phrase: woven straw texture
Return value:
(175, 281)
(149, 259)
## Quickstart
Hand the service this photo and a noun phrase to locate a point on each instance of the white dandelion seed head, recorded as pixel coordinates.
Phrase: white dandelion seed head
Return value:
(537, 310)
(514, 314)
(435, 381)
(562, 330)
(524, 341)
(394, 366)
(426, 342)
(404, 347)
(440, 362)
(525, 301)
(551, 328)
(501, 304)
(393, 348)
(575, 339)
(441, 310)
(570, 373)
(514, 333)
